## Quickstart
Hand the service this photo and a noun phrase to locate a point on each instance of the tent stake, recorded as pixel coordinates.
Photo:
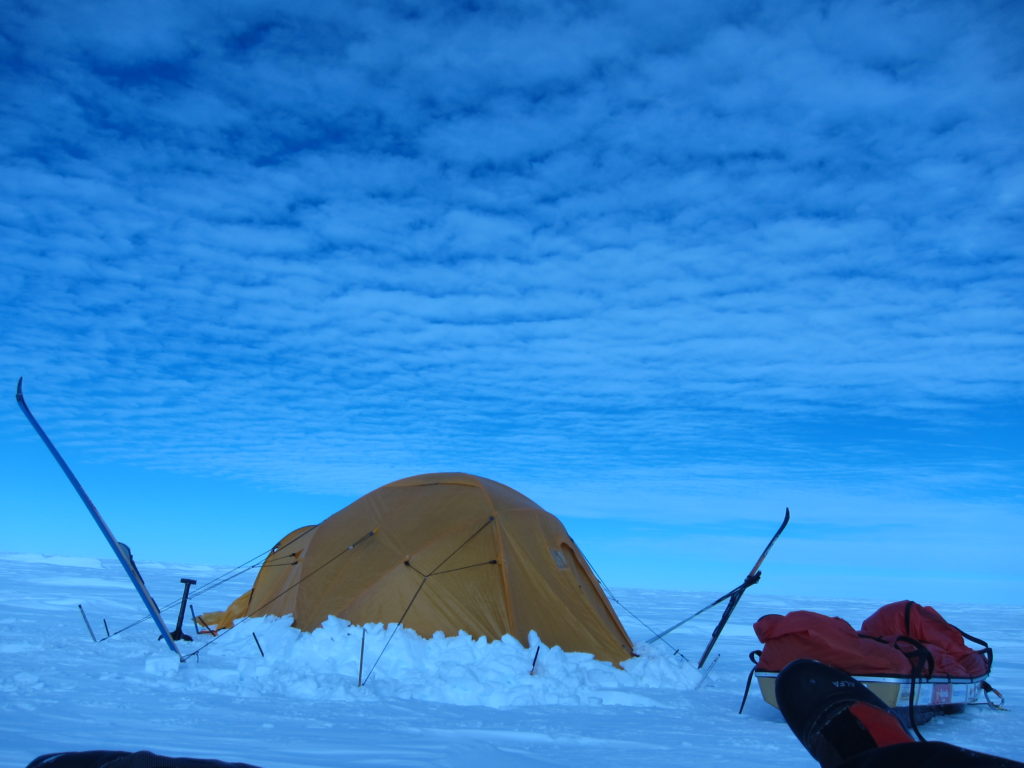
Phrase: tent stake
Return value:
(80, 608)
(707, 671)
(533, 669)
(362, 650)
(206, 627)
(258, 645)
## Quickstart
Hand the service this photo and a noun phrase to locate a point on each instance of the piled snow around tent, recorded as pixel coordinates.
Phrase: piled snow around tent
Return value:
(398, 663)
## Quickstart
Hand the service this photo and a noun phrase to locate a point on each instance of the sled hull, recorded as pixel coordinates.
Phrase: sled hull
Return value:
(945, 695)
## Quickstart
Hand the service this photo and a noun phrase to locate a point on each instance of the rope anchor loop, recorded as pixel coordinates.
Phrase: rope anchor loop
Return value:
(989, 693)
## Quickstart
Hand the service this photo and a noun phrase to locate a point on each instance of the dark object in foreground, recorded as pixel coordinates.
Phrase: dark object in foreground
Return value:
(844, 725)
(109, 759)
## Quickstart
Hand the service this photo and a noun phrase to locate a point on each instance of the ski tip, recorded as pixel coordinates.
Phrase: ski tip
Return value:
(19, 395)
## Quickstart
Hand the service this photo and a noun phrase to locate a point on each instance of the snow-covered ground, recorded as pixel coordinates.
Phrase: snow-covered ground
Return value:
(437, 702)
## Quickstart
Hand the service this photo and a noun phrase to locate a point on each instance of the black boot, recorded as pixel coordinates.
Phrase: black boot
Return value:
(833, 715)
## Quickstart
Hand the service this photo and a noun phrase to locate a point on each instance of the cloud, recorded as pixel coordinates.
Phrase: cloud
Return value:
(309, 248)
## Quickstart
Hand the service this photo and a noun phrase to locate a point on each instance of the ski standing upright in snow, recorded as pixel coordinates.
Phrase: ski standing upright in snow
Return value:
(752, 578)
(121, 551)
(732, 596)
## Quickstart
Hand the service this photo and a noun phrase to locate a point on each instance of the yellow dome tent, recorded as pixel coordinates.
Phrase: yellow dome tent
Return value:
(439, 552)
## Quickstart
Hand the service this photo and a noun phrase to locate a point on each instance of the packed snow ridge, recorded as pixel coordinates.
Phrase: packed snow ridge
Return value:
(399, 663)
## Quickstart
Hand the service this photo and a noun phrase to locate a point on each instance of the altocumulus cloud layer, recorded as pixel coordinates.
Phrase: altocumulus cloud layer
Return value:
(618, 245)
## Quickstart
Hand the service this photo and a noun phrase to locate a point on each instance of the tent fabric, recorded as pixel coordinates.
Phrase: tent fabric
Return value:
(443, 553)
(828, 639)
(878, 648)
(270, 590)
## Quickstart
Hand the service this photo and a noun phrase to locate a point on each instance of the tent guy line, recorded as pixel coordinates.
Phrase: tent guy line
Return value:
(632, 614)
(231, 574)
(221, 632)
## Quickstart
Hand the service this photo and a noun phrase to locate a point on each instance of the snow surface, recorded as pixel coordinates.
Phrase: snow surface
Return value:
(437, 702)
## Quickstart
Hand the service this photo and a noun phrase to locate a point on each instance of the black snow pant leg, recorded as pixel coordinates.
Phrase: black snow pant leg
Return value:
(93, 759)
(105, 759)
(927, 754)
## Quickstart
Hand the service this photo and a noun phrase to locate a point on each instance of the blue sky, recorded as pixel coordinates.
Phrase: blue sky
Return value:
(664, 268)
